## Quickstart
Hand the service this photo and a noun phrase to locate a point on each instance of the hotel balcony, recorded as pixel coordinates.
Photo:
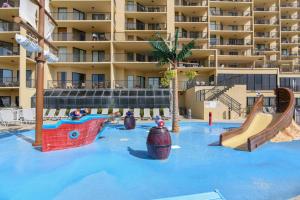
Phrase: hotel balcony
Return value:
(144, 26)
(290, 69)
(195, 35)
(8, 27)
(289, 56)
(191, 19)
(290, 29)
(231, 28)
(295, 41)
(75, 16)
(290, 17)
(9, 51)
(137, 37)
(83, 58)
(191, 3)
(230, 13)
(13, 82)
(146, 8)
(290, 5)
(72, 84)
(136, 84)
(265, 35)
(230, 42)
(9, 82)
(97, 36)
(266, 50)
(9, 3)
(134, 57)
(266, 22)
(197, 64)
(232, 1)
(266, 9)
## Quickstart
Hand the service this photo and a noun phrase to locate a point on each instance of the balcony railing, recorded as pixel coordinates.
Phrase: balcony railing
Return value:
(72, 84)
(215, 42)
(8, 26)
(191, 18)
(247, 1)
(136, 84)
(134, 57)
(81, 16)
(193, 35)
(121, 36)
(81, 37)
(200, 64)
(191, 3)
(230, 28)
(272, 8)
(9, 82)
(9, 51)
(229, 13)
(290, 17)
(290, 69)
(291, 5)
(267, 34)
(143, 8)
(266, 21)
(290, 41)
(290, 28)
(97, 58)
(9, 3)
(286, 55)
(261, 51)
(141, 26)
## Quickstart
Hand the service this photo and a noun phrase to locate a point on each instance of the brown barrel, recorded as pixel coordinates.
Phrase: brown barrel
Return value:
(129, 122)
(159, 143)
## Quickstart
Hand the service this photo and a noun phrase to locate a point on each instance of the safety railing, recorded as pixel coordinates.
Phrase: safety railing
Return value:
(81, 16)
(146, 8)
(73, 84)
(97, 36)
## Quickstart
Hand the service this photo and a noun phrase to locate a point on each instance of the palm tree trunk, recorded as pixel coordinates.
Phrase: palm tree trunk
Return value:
(175, 110)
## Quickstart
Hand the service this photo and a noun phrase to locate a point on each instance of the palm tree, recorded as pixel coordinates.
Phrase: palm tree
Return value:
(167, 53)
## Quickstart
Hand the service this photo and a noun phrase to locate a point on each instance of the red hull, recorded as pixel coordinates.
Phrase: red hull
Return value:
(69, 135)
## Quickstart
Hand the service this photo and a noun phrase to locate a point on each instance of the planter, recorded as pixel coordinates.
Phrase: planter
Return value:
(159, 143)
(129, 122)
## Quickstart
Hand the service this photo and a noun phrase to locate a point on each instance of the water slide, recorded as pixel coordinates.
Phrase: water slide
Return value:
(261, 127)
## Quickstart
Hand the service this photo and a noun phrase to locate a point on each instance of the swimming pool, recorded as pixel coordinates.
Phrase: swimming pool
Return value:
(116, 166)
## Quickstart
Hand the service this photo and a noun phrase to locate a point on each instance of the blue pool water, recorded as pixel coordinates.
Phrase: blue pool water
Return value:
(116, 167)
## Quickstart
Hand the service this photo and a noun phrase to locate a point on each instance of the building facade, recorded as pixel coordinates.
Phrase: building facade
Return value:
(103, 44)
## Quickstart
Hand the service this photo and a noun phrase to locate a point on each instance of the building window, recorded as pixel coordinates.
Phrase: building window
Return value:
(5, 101)
(79, 55)
(154, 82)
(292, 83)
(252, 81)
(62, 14)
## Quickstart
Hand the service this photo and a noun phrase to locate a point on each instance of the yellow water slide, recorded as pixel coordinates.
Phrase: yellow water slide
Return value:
(260, 122)
(261, 127)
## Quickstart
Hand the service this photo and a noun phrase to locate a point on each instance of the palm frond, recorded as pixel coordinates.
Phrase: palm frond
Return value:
(161, 50)
(185, 51)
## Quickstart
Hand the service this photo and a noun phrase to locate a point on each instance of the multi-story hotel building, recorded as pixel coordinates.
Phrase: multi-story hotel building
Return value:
(252, 46)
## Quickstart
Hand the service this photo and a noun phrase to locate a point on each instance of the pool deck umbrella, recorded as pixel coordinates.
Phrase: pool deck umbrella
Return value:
(40, 60)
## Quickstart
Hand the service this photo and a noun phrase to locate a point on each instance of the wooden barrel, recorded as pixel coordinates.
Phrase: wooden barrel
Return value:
(159, 143)
(129, 122)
